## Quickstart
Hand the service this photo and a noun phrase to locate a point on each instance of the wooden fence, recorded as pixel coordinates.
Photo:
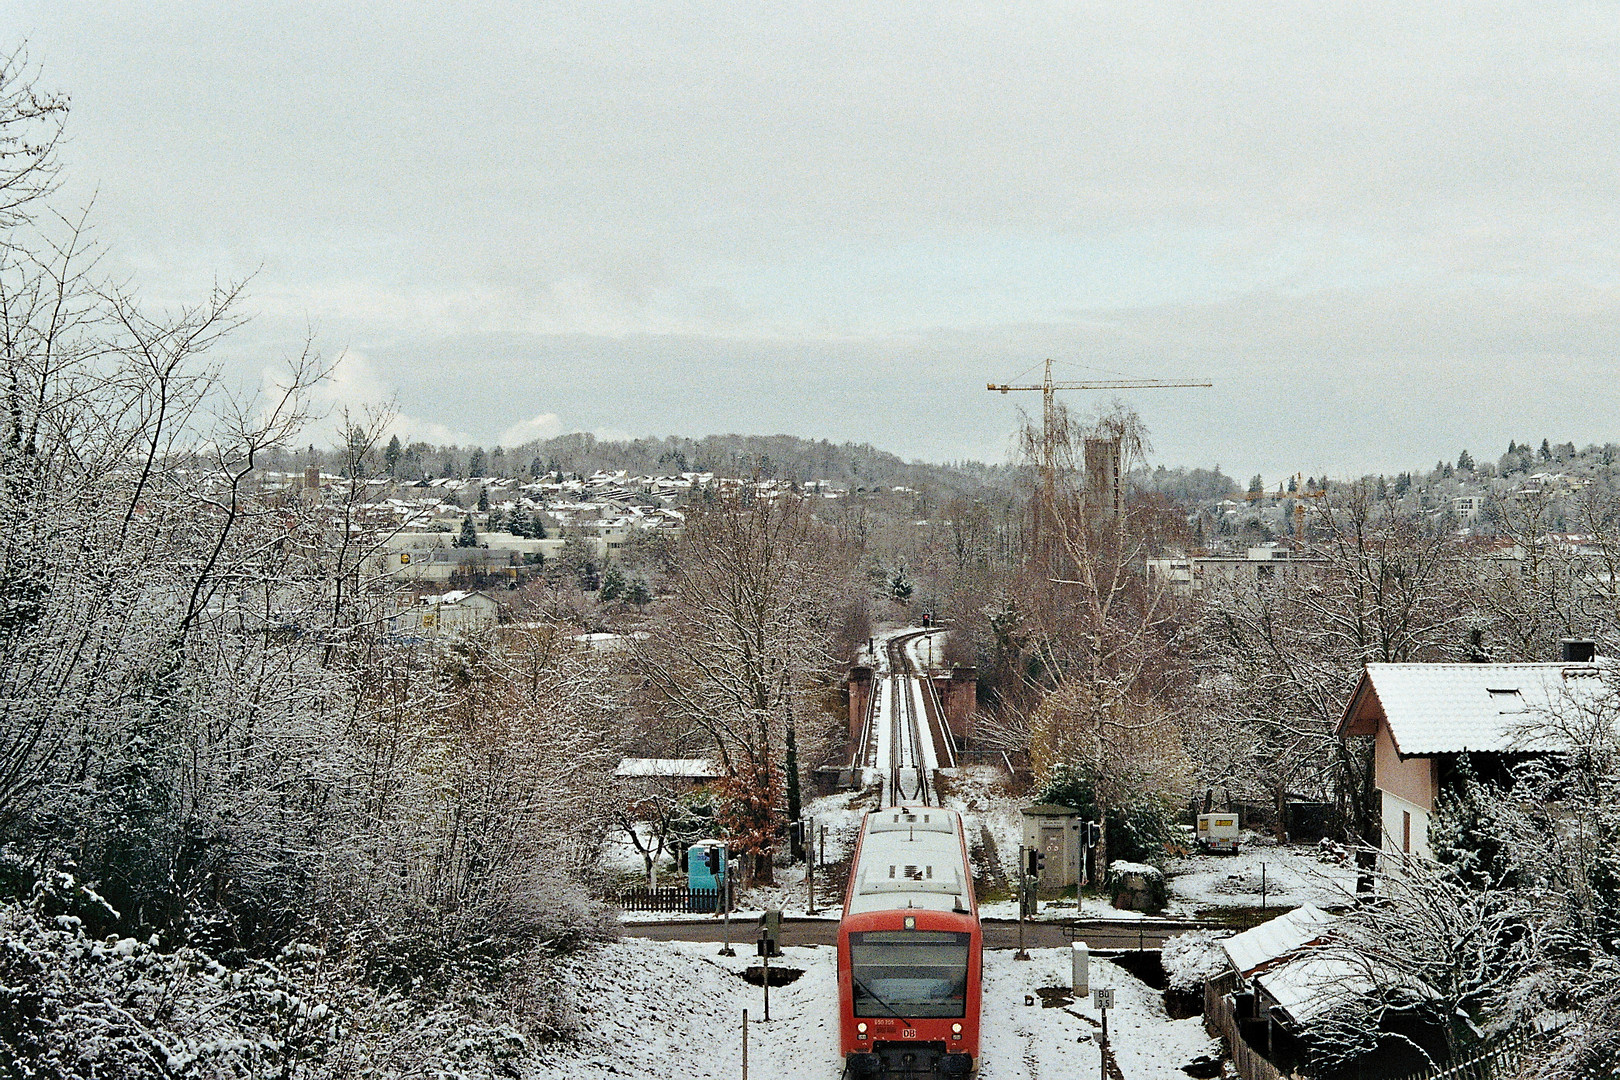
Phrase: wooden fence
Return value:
(1498, 1059)
(1220, 1019)
(668, 898)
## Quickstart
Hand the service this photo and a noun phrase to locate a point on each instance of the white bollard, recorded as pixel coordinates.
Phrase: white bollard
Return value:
(1080, 957)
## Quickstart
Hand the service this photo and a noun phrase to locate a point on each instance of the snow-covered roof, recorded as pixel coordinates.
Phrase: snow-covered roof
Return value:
(1273, 940)
(1449, 708)
(688, 768)
(911, 856)
(455, 596)
(1315, 982)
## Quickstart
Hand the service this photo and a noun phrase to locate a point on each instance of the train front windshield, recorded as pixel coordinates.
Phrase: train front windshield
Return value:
(909, 973)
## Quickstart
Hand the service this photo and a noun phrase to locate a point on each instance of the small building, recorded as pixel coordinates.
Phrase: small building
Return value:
(695, 771)
(457, 612)
(1054, 831)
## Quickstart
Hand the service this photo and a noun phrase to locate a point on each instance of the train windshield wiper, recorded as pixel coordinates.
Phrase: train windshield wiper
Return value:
(869, 993)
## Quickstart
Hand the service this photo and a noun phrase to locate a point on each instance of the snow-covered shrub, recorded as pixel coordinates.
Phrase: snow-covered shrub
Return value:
(1137, 886)
(1192, 959)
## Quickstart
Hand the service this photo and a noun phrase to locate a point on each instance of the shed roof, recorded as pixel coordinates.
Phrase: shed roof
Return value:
(1270, 941)
(1449, 708)
(689, 768)
(1318, 981)
(1049, 810)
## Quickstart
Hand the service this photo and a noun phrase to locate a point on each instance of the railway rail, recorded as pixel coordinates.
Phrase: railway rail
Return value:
(914, 740)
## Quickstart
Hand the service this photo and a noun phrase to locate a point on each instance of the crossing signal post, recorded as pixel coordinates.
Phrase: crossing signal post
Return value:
(716, 857)
(1024, 862)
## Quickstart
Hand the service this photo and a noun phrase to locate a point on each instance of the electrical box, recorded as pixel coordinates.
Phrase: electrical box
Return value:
(1054, 831)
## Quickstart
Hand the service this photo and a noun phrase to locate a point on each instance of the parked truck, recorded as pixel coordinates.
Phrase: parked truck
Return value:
(1218, 832)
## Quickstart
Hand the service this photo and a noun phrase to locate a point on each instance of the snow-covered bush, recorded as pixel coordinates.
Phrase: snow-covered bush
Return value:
(1192, 959)
(1137, 885)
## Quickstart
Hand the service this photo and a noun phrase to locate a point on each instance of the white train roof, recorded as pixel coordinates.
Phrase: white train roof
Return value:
(911, 857)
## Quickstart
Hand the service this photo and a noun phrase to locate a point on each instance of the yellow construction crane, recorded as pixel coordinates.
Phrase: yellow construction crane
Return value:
(1049, 435)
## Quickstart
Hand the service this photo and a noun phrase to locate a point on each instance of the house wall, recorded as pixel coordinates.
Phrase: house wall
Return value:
(1396, 823)
(1412, 779)
(1408, 788)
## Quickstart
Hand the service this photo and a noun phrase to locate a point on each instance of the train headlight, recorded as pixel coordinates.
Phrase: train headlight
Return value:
(956, 1031)
(860, 1031)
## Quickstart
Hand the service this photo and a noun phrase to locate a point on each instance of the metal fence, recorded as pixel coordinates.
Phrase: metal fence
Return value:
(669, 898)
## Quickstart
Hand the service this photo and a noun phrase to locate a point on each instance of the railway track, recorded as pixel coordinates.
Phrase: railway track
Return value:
(907, 752)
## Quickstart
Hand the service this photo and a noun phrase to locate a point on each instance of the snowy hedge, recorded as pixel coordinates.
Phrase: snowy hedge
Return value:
(1193, 958)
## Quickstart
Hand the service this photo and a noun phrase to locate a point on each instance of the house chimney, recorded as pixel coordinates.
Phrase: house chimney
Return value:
(1578, 650)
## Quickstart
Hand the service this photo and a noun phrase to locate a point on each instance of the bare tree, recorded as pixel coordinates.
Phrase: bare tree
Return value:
(744, 650)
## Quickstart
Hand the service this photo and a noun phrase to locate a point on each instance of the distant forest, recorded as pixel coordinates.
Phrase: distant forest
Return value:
(773, 457)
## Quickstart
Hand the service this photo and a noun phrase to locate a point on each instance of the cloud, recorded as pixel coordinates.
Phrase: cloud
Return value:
(354, 390)
(544, 426)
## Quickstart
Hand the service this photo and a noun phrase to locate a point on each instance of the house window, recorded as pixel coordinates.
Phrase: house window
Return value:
(1406, 831)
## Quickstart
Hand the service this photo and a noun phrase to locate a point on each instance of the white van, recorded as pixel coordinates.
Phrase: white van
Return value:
(1218, 832)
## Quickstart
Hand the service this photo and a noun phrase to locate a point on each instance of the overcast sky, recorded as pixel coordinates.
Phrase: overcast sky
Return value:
(1385, 231)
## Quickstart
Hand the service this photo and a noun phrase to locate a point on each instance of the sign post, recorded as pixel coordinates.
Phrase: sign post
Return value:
(745, 1045)
(1104, 997)
(1023, 906)
(810, 865)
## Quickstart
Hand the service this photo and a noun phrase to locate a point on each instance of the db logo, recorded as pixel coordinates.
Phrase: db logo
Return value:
(908, 1033)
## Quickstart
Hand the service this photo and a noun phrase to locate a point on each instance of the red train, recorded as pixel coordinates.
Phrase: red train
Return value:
(909, 949)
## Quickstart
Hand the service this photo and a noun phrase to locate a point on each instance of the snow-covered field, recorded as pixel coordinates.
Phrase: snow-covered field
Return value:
(1291, 876)
(654, 1010)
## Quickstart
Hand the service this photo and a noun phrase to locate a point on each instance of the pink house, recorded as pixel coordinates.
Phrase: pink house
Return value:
(1423, 717)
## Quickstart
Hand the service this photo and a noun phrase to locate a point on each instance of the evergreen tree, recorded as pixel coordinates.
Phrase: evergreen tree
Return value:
(613, 585)
(469, 533)
(1465, 462)
(1546, 450)
(483, 498)
(392, 454)
(639, 594)
(520, 524)
(476, 463)
(1256, 486)
(900, 585)
(1513, 447)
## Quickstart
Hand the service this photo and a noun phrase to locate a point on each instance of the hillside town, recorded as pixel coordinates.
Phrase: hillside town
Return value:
(687, 541)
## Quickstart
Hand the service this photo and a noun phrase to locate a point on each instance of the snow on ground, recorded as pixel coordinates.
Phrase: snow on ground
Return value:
(1292, 876)
(652, 1010)
(656, 1009)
